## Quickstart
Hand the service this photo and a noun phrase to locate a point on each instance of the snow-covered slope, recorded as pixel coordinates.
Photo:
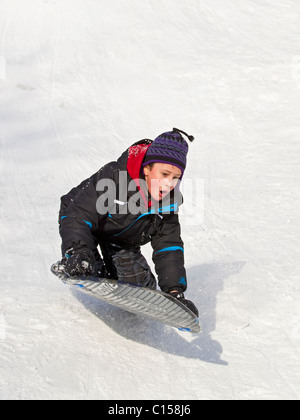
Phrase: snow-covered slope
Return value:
(80, 82)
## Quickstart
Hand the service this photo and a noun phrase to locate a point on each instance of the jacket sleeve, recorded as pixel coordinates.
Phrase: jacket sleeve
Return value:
(168, 255)
(79, 213)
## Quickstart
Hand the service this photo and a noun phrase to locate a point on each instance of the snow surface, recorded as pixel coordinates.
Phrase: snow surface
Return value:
(80, 82)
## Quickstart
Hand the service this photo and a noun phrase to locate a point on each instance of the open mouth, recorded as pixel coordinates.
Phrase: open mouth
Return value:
(163, 193)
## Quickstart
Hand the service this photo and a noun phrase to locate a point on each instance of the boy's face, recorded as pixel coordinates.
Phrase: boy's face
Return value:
(161, 179)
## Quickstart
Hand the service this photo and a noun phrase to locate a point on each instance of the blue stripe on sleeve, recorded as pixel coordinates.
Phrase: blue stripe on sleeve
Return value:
(171, 248)
(88, 223)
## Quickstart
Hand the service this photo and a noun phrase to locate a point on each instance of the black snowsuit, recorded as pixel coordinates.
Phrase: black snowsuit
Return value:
(89, 218)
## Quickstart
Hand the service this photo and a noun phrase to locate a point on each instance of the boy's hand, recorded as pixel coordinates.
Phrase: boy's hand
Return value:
(188, 303)
(80, 262)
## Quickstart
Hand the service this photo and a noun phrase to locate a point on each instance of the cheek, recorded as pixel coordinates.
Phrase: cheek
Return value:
(174, 183)
(169, 183)
(151, 182)
(154, 177)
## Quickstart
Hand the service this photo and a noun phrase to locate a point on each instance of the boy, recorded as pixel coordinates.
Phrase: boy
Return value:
(127, 204)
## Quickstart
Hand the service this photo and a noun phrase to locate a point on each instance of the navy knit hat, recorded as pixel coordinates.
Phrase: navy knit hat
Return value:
(170, 148)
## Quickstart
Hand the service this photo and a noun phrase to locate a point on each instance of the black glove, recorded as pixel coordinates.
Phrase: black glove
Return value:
(188, 303)
(80, 262)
